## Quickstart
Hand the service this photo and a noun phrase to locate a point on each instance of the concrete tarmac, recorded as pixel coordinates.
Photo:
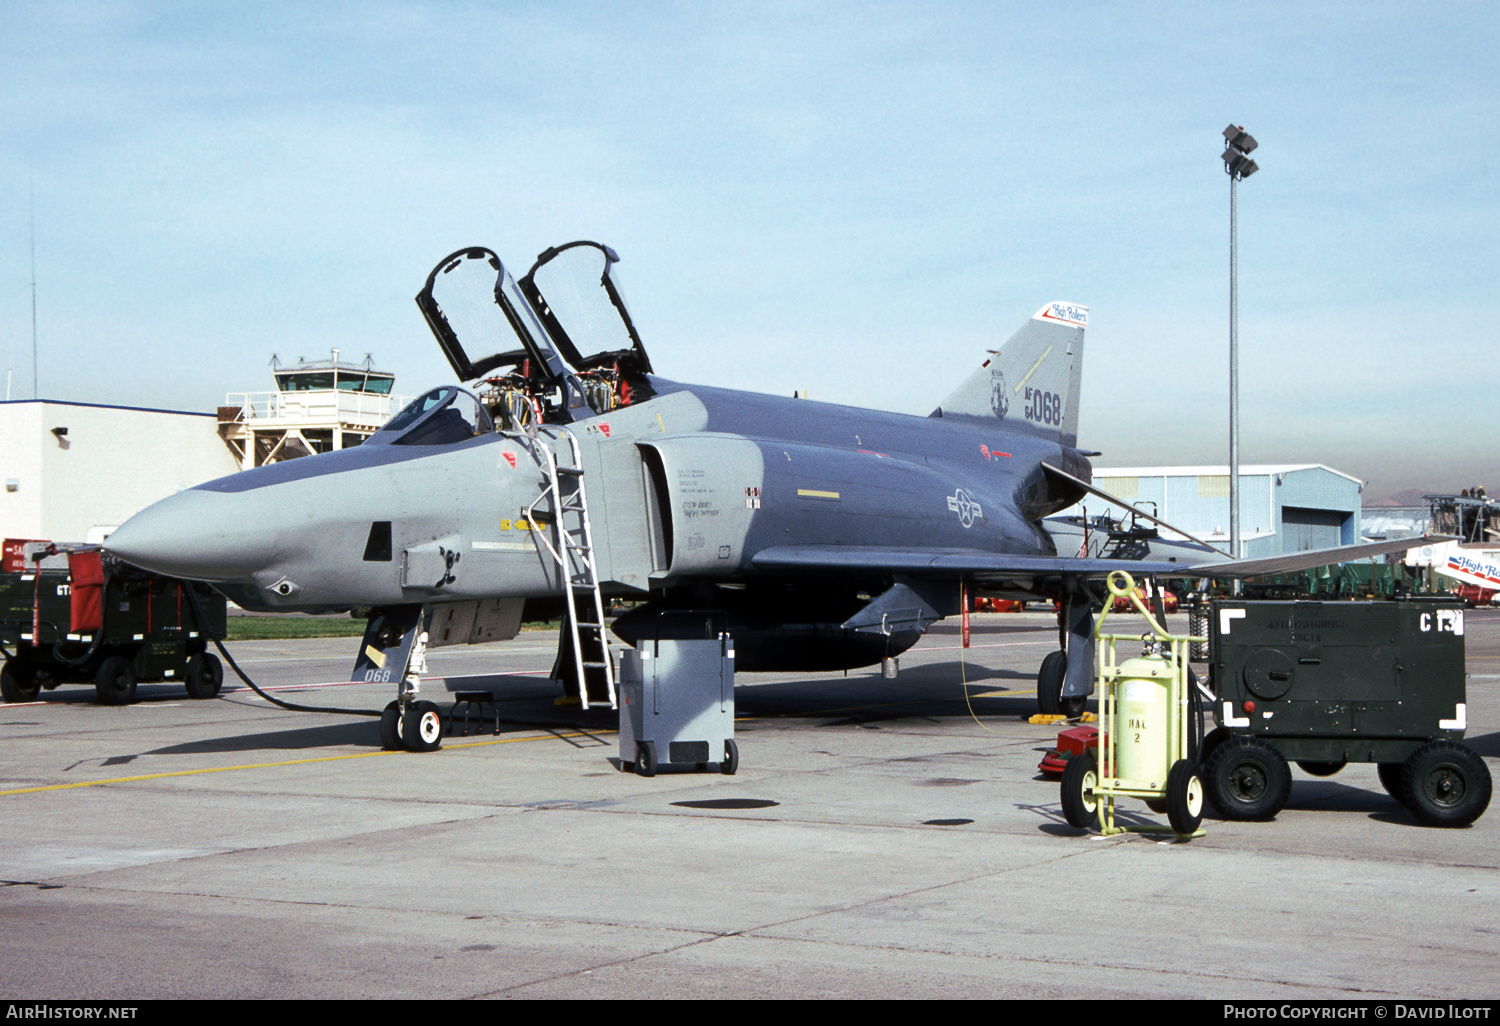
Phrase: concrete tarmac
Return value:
(879, 840)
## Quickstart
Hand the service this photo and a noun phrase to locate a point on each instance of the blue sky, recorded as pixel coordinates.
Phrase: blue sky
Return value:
(852, 199)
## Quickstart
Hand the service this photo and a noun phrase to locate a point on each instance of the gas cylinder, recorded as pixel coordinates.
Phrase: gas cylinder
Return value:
(1140, 727)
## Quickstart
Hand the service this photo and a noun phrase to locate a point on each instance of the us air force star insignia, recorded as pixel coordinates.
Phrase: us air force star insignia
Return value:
(962, 503)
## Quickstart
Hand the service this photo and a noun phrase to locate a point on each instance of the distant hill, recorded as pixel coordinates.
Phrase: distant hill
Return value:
(1410, 497)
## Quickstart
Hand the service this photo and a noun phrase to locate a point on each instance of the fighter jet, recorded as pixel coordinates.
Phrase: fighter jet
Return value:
(565, 473)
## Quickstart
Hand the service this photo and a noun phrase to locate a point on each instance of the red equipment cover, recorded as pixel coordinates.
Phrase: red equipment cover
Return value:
(87, 592)
(1070, 742)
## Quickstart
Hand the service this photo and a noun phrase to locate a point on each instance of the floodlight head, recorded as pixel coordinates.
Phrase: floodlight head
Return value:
(1237, 137)
(1237, 164)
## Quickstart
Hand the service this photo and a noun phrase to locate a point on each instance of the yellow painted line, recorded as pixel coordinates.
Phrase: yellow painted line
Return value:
(272, 765)
(811, 493)
(1034, 366)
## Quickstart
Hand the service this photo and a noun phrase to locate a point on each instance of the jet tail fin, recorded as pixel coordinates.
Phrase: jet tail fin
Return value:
(1032, 381)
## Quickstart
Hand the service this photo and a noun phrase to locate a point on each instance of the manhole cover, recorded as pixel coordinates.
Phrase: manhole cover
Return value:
(728, 803)
(946, 822)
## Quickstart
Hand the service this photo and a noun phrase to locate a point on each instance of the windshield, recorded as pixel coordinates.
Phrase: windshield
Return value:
(440, 417)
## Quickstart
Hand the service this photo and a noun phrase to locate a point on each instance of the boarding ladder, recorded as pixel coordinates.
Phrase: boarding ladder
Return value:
(574, 554)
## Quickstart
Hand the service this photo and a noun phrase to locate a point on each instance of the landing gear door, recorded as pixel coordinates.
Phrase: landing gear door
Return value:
(575, 290)
(473, 307)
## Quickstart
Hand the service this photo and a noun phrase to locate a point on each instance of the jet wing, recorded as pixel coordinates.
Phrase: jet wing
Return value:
(894, 559)
(1000, 566)
(1289, 562)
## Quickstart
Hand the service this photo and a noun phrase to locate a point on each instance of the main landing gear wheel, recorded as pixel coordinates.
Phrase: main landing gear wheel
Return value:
(1445, 784)
(421, 727)
(1079, 803)
(1049, 686)
(731, 761)
(1184, 796)
(115, 682)
(205, 675)
(17, 683)
(390, 727)
(1247, 779)
(645, 758)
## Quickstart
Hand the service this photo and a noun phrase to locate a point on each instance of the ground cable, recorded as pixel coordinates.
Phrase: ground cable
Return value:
(208, 633)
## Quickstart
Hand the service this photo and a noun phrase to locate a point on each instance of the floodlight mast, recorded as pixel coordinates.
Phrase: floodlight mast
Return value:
(1237, 164)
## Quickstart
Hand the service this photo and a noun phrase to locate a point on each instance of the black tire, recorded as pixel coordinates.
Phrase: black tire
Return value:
(1212, 740)
(114, 683)
(422, 727)
(1445, 784)
(1321, 769)
(1184, 796)
(1247, 779)
(17, 682)
(390, 727)
(731, 763)
(205, 675)
(1049, 683)
(1390, 779)
(1079, 803)
(645, 758)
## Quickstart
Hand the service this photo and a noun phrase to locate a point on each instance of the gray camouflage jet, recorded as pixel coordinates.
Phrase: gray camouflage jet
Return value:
(568, 473)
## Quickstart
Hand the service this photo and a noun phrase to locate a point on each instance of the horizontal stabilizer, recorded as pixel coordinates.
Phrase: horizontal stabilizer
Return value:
(1052, 471)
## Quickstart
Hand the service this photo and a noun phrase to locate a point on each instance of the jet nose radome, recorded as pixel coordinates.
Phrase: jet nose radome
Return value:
(199, 535)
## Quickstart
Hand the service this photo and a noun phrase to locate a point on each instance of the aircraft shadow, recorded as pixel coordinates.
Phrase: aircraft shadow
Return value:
(364, 733)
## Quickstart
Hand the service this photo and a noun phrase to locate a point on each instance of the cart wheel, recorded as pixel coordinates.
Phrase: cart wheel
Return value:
(1049, 683)
(1247, 779)
(731, 761)
(390, 727)
(422, 727)
(205, 675)
(1080, 805)
(114, 684)
(1184, 796)
(1390, 779)
(1321, 769)
(1445, 784)
(1214, 739)
(645, 758)
(17, 683)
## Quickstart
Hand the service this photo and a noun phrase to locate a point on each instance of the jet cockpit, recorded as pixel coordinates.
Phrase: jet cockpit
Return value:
(580, 354)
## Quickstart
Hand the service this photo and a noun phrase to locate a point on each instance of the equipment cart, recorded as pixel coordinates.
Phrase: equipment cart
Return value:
(1328, 683)
(1147, 717)
(677, 693)
(83, 619)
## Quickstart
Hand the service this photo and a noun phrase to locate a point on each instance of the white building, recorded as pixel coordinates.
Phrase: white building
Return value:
(75, 471)
(1288, 507)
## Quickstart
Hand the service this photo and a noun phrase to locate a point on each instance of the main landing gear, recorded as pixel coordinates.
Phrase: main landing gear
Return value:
(1066, 677)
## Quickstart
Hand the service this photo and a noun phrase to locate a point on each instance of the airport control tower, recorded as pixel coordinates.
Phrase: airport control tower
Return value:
(318, 406)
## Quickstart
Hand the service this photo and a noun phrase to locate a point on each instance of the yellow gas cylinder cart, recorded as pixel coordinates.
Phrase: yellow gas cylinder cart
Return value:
(1145, 717)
